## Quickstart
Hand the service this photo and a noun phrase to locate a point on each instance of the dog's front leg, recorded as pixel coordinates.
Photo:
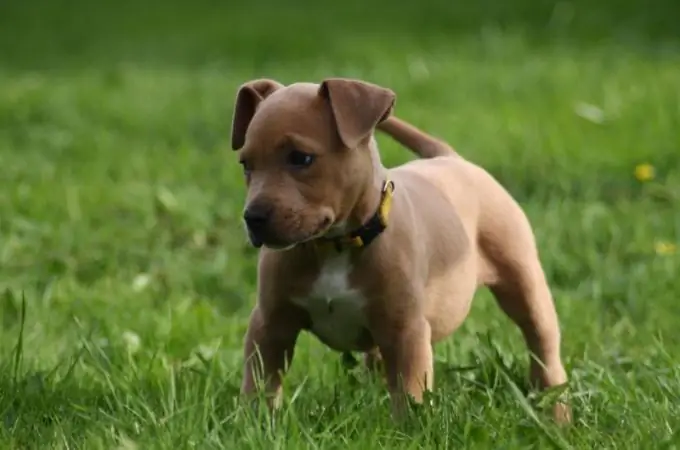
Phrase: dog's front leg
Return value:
(268, 351)
(406, 350)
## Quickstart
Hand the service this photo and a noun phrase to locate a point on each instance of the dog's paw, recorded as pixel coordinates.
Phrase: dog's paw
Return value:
(562, 414)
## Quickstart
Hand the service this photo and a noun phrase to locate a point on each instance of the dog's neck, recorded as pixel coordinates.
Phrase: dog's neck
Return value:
(368, 199)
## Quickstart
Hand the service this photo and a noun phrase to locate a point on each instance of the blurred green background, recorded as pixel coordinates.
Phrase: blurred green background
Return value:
(120, 202)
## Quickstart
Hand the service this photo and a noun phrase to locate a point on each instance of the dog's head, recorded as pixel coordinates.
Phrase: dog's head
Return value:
(306, 154)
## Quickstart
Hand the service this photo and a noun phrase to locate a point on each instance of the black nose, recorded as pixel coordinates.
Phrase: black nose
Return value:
(257, 217)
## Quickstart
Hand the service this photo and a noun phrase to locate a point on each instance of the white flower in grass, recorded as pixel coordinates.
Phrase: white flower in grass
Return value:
(589, 112)
(132, 341)
(140, 282)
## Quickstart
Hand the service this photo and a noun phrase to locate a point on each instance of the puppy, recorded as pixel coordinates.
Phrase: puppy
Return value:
(375, 260)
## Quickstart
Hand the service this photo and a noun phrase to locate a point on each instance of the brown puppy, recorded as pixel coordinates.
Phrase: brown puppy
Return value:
(373, 260)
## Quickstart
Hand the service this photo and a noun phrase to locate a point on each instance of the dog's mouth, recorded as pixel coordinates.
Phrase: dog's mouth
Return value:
(258, 241)
(325, 227)
(254, 240)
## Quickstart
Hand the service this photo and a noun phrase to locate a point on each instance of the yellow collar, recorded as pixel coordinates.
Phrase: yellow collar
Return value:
(365, 234)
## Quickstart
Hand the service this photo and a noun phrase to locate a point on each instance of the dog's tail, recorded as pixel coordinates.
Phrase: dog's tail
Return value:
(416, 140)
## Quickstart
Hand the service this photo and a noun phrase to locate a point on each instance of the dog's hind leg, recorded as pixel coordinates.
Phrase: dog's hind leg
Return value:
(529, 304)
(519, 284)
(523, 294)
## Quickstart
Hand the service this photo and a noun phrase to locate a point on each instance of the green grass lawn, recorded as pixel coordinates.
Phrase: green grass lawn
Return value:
(120, 203)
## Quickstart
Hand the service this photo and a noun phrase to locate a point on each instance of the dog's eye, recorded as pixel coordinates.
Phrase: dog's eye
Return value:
(298, 159)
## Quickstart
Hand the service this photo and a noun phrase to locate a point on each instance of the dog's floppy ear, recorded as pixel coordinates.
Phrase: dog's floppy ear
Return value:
(357, 106)
(248, 98)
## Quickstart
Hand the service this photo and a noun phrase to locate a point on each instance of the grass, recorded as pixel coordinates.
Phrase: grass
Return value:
(125, 278)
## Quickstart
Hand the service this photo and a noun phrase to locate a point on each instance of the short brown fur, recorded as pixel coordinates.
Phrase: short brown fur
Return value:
(452, 229)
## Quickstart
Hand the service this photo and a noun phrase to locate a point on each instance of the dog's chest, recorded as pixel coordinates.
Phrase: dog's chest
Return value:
(335, 308)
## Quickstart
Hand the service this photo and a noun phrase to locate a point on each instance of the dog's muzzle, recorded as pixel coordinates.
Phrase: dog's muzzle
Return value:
(257, 219)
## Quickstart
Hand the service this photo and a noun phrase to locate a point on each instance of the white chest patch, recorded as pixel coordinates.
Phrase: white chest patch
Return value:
(335, 308)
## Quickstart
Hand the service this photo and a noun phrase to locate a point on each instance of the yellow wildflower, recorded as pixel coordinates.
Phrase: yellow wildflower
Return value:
(644, 172)
(665, 248)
